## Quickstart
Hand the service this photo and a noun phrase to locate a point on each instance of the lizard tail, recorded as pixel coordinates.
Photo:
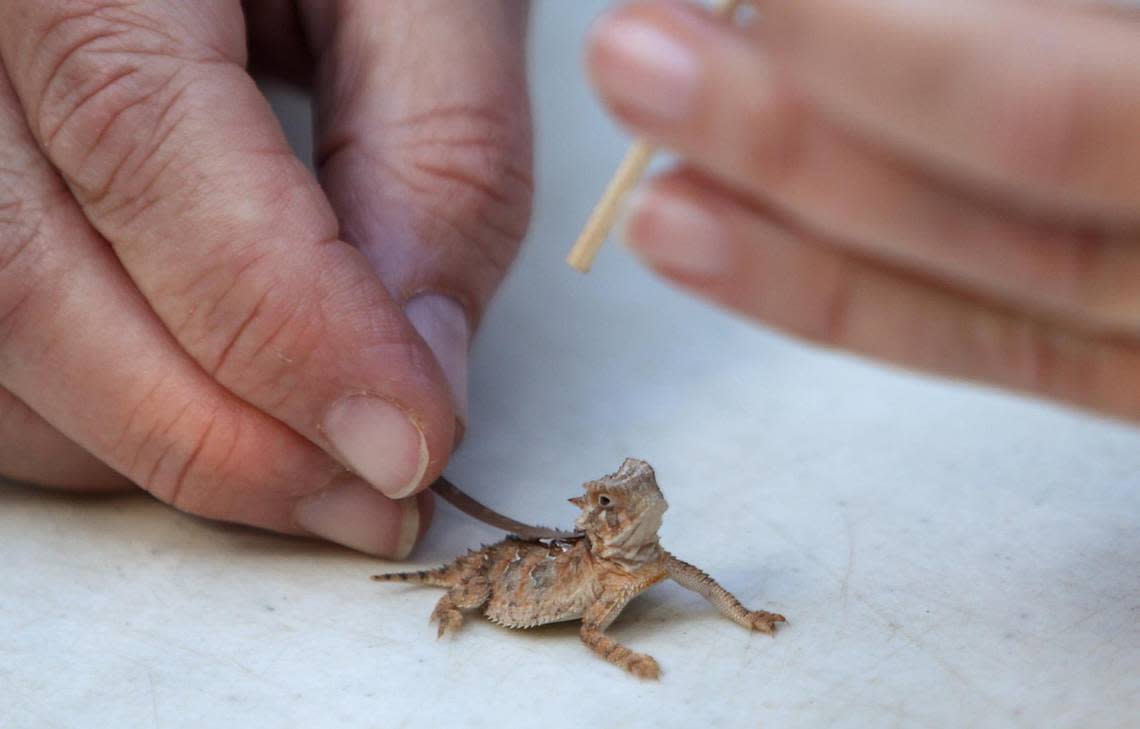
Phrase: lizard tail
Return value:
(440, 577)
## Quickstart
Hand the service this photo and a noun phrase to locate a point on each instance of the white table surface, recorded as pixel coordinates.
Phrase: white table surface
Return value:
(946, 556)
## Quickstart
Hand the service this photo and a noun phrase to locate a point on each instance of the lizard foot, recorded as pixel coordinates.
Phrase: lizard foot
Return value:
(764, 622)
(643, 666)
(450, 621)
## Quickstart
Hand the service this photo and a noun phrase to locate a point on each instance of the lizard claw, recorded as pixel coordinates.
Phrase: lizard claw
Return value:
(764, 622)
(450, 621)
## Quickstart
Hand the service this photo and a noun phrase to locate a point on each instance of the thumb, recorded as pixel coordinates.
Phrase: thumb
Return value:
(424, 150)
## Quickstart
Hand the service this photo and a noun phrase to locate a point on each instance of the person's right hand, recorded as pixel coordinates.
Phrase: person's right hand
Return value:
(179, 307)
(952, 186)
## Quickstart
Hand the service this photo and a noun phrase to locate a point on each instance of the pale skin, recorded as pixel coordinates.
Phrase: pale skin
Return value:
(185, 309)
(949, 186)
(952, 187)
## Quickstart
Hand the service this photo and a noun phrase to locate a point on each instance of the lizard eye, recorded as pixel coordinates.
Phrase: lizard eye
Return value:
(604, 501)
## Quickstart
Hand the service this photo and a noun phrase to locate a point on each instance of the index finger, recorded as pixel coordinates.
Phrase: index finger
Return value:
(176, 158)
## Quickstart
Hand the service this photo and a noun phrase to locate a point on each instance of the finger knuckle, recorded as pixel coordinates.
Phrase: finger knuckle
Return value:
(1066, 366)
(826, 320)
(21, 254)
(1099, 272)
(1112, 363)
(1082, 261)
(1090, 271)
(468, 168)
(19, 218)
(109, 91)
(183, 455)
(257, 330)
(1084, 371)
(777, 158)
(1009, 351)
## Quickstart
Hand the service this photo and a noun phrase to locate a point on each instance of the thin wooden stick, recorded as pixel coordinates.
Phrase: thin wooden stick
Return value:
(628, 175)
(602, 220)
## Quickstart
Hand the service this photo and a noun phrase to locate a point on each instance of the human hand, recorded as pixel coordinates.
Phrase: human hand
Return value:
(179, 307)
(954, 187)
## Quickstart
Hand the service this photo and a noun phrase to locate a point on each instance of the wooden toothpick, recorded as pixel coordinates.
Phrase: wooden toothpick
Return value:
(628, 175)
(605, 214)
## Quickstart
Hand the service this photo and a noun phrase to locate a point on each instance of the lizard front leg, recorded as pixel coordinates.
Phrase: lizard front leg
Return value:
(594, 623)
(693, 578)
(638, 664)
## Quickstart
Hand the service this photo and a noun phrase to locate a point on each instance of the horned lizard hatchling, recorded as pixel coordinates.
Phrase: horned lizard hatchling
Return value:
(522, 583)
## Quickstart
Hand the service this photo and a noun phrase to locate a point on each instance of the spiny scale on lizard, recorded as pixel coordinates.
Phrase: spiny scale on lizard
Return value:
(589, 576)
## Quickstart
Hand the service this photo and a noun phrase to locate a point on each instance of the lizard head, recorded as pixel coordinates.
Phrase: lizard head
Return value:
(622, 511)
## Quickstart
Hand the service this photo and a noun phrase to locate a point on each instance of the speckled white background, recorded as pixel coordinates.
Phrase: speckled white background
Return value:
(946, 556)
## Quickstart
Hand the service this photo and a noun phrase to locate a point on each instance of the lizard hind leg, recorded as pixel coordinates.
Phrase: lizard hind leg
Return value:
(467, 595)
(639, 664)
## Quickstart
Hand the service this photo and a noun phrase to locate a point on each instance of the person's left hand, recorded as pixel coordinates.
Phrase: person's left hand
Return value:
(181, 304)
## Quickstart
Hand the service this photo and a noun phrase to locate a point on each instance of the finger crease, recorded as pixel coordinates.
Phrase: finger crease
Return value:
(183, 475)
(50, 136)
(246, 323)
(149, 150)
(840, 294)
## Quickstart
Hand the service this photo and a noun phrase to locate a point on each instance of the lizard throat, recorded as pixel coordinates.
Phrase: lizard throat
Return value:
(627, 556)
(631, 548)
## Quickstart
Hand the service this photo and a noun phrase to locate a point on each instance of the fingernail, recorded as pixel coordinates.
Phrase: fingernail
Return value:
(647, 73)
(669, 232)
(379, 442)
(409, 527)
(353, 514)
(442, 322)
